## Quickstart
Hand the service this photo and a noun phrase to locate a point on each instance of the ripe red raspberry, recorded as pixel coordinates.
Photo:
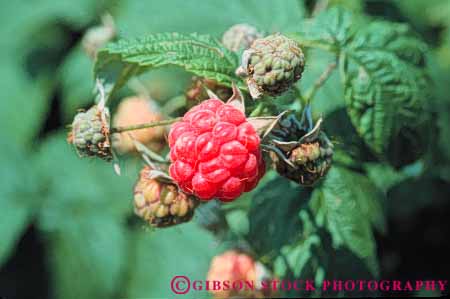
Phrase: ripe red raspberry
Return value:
(215, 152)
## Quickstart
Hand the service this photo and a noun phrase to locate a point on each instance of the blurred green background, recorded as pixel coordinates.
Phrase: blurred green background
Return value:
(66, 225)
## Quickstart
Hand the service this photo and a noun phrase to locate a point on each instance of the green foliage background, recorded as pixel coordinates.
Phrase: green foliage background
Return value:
(385, 109)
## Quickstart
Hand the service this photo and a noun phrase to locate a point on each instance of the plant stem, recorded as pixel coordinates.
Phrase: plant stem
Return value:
(145, 126)
(305, 43)
(298, 94)
(258, 110)
(322, 79)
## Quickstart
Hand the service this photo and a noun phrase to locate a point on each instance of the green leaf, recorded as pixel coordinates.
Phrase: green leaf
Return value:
(76, 84)
(385, 177)
(30, 16)
(426, 13)
(330, 97)
(79, 186)
(350, 205)
(87, 257)
(385, 85)
(314, 256)
(279, 199)
(199, 54)
(211, 17)
(85, 206)
(300, 260)
(330, 30)
(356, 6)
(24, 103)
(238, 222)
(260, 14)
(17, 196)
(441, 105)
(346, 140)
(381, 65)
(156, 259)
(298, 255)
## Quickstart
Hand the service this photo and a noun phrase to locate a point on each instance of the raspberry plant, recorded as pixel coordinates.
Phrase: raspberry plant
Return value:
(280, 137)
(216, 152)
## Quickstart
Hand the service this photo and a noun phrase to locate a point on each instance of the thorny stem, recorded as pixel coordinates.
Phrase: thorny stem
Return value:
(322, 79)
(145, 126)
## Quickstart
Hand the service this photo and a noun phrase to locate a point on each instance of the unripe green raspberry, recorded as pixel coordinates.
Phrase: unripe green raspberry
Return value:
(240, 37)
(90, 133)
(160, 203)
(305, 153)
(300, 153)
(272, 65)
(311, 161)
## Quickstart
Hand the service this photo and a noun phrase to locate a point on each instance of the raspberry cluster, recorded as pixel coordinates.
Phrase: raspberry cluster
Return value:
(215, 152)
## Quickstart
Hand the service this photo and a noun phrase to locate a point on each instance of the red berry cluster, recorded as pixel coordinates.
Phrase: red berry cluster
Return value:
(215, 152)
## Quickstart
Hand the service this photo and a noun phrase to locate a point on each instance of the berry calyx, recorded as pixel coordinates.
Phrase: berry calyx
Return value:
(215, 152)
(196, 92)
(160, 203)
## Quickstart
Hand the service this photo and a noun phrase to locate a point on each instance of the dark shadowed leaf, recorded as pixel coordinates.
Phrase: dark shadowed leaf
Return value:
(159, 256)
(279, 199)
(349, 205)
(18, 200)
